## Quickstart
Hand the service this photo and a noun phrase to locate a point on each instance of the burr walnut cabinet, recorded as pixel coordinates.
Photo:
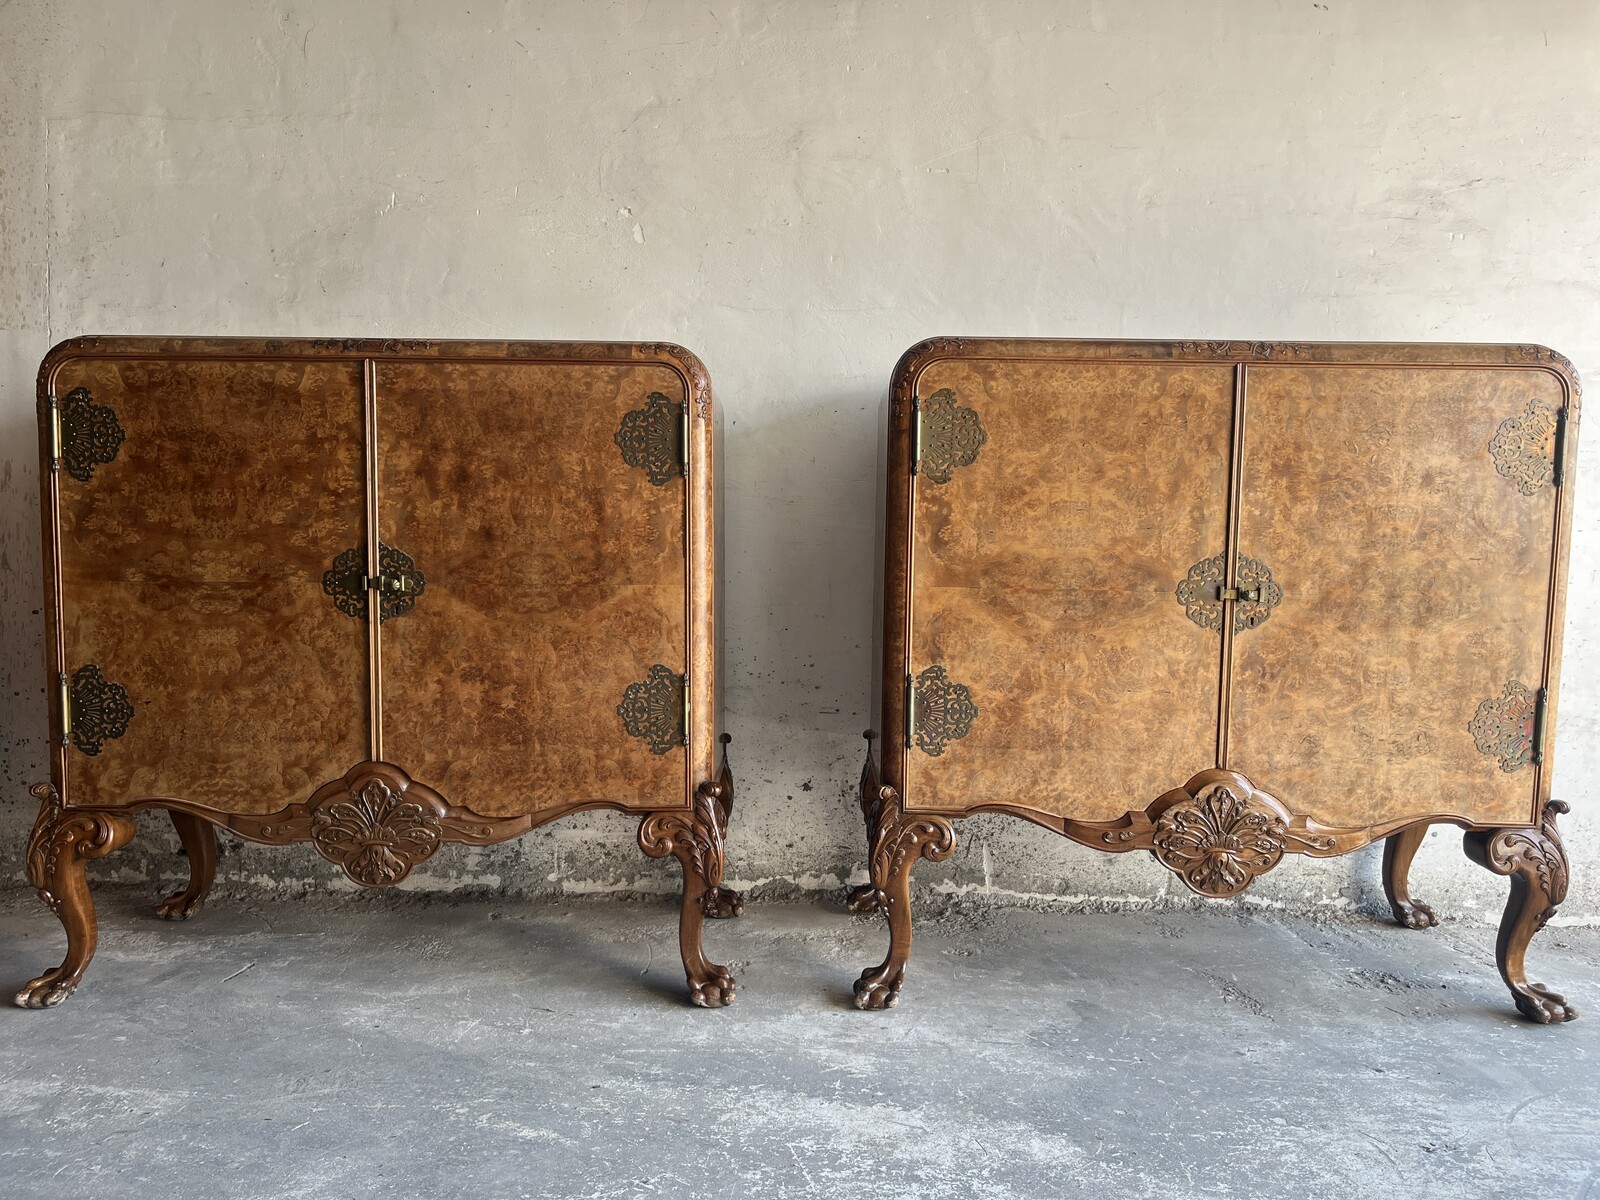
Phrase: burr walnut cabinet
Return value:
(378, 596)
(1226, 602)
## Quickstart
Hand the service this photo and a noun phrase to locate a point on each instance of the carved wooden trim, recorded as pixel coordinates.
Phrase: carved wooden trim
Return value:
(1217, 833)
(1539, 852)
(59, 832)
(899, 839)
(695, 370)
(375, 823)
(1536, 861)
(694, 837)
(691, 835)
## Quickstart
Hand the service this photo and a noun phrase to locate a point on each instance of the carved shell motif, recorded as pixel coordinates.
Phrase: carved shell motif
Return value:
(1524, 448)
(1219, 842)
(648, 439)
(652, 709)
(1502, 727)
(376, 835)
(952, 435)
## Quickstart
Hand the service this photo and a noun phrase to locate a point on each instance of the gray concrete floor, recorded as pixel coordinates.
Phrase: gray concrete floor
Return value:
(349, 1046)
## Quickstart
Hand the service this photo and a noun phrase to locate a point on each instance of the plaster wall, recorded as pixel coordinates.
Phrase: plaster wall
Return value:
(798, 191)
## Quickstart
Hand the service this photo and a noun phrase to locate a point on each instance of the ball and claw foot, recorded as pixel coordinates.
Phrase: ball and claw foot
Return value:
(1539, 1003)
(180, 906)
(876, 989)
(863, 900)
(722, 903)
(718, 991)
(1414, 914)
(47, 991)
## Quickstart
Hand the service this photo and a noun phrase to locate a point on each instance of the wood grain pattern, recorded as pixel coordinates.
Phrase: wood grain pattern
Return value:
(191, 573)
(1043, 579)
(556, 577)
(1416, 581)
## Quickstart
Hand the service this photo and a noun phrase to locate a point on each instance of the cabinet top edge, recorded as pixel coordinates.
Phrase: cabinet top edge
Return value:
(669, 354)
(1231, 352)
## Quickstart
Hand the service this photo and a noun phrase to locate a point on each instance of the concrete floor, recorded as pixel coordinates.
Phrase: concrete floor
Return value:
(399, 1046)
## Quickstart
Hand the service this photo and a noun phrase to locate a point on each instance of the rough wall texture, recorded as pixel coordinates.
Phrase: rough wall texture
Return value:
(798, 191)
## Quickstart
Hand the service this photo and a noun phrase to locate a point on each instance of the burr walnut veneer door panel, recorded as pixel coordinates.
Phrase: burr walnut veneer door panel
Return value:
(191, 559)
(1043, 572)
(554, 579)
(1416, 581)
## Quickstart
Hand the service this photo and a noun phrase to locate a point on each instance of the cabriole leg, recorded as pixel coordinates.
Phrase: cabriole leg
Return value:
(864, 899)
(1536, 861)
(200, 844)
(721, 902)
(898, 842)
(695, 840)
(63, 841)
(1398, 851)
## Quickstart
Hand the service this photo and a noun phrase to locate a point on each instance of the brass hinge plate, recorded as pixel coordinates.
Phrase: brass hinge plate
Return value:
(916, 435)
(1541, 706)
(55, 434)
(1558, 468)
(911, 710)
(66, 709)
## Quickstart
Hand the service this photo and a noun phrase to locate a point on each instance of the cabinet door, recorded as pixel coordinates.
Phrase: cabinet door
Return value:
(1397, 676)
(1056, 670)
(553, 577)
(199, 504)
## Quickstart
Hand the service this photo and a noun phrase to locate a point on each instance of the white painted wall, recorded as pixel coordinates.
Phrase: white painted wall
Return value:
(798, 191)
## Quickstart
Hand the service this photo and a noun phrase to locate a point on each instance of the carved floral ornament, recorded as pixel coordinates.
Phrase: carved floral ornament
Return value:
(1218, 841)
(374, 832)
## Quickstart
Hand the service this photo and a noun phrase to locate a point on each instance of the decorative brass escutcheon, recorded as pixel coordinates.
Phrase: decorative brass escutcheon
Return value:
(948, 435)
(655, 709)
(1509, 727)
(940, 711)
(1527, 448)
(654, 438)
(88, 434)
(94, 710)
(398, 582)
(1204, 591)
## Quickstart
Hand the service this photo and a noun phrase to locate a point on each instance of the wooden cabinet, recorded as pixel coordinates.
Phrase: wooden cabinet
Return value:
(1226, 602)
(531, 526)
